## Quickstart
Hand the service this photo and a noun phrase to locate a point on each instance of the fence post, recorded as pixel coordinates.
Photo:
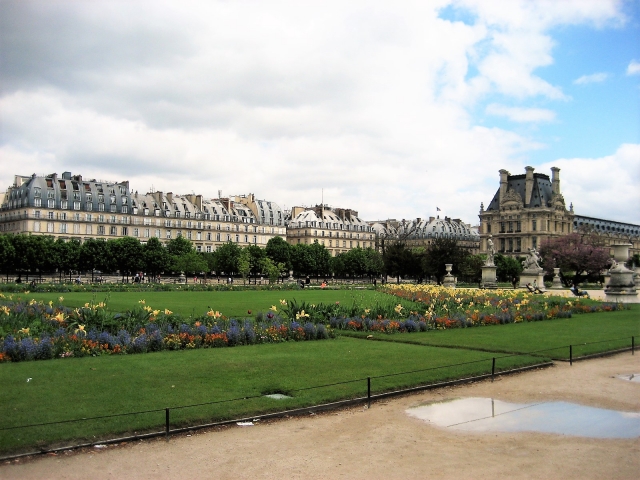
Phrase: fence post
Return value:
(166, 423)
(493, 368)
(368, 392)
(570, 354)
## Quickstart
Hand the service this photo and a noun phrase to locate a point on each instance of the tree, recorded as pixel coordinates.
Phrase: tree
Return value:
(68, 255)
(272, 270)
(93, 255)
(302, 260)
(440, 252)
(27, 254)
(321, 258)
(400, 261)
(244, 264)
(127, 254)
(7, 255)
(191, 263)
(155, 257)
(507, 268)
(256, 257)
(471, 268)
(575, 254)
(279, 251)
(227, 256)
(375, 264)
(179, 246)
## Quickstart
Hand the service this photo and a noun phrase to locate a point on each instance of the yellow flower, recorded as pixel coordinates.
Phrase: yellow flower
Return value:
(273, 308)
(59, 317)
(167, 311)
(86, 305)
(24, 330)
(156, 312)
(101, 305)
(141, 301)
(80, 329)
(50, 303)
(5, 309)
(147, 308)
(60, 299)
(283, 302)
(367, 310)
(398, 308)
(301, 314)
(32, 301)
(213, 314)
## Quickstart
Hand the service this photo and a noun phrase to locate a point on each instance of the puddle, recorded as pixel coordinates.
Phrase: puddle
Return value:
(630, 377)
(278, 396)
(563, 418)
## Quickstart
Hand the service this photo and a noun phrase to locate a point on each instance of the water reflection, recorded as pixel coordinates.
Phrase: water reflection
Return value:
(631, 377)
(489, 415)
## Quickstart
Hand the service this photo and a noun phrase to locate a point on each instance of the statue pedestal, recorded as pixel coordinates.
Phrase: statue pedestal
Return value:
(530, 275)
(489, 276)
(557, 284)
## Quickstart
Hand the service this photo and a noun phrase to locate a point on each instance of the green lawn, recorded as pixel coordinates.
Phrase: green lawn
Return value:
(230, 304)
(94, 386)
(612, 330)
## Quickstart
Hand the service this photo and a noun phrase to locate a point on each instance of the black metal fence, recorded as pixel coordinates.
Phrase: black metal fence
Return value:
(418, 380)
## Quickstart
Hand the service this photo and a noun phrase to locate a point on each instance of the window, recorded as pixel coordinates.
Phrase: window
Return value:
(36, 226)
(157, 235)
(76, 205)
(168, 234)
(113, 208)
(36, 214)
(217, 237)
(37, 202)
(208, 248)
(100, 229)
(89, 229)
(88, 206)
(101, 207)
(125, 209)
(125, 231)
(502, 244)
(534, 242)
(113, 230)
(51, 203)
(147, 233)
(76, 228)
(534, 225)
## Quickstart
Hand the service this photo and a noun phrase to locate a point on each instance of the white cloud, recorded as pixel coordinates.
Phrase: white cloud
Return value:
(633, 68)
(523, 115)
(593, 78)
(370, 101)
(605, 187)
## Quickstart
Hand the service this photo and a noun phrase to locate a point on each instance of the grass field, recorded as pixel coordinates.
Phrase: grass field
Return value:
(237, 378)
(96, 386)
(612, 330)
(230, 304)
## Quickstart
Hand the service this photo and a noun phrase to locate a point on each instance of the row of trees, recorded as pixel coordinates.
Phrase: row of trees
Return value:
(25, 255)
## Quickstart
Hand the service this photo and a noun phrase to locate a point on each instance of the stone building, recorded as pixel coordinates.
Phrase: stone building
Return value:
(526, 211)
(421, 232)
(71, 207)
(338, 229)
(609, 232)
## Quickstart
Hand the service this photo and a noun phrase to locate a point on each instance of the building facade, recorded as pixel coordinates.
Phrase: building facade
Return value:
(609, 232)
(70, 207)
(526, 211)
(338, 229)
(421, 232)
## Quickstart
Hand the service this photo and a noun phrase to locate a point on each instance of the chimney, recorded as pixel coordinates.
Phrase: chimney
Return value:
(199, 202)
(169, 198)
(555, 180)
(504, 175)
(528, 185)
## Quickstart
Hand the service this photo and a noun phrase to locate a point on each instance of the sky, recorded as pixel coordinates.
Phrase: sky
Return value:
(392, 109)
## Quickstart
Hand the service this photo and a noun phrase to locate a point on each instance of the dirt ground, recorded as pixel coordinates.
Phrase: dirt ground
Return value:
(384, 442)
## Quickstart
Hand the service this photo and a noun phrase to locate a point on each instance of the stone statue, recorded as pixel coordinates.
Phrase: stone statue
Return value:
(532, 262)
(491, 252)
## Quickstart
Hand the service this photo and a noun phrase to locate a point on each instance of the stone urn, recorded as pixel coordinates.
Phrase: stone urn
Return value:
(557, 283)
(621, 286)
(449, 280)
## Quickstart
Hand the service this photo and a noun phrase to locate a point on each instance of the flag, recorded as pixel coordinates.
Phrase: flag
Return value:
(438, 209)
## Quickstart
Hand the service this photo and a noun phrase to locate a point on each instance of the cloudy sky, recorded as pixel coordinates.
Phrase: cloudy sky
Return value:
(390, 108)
